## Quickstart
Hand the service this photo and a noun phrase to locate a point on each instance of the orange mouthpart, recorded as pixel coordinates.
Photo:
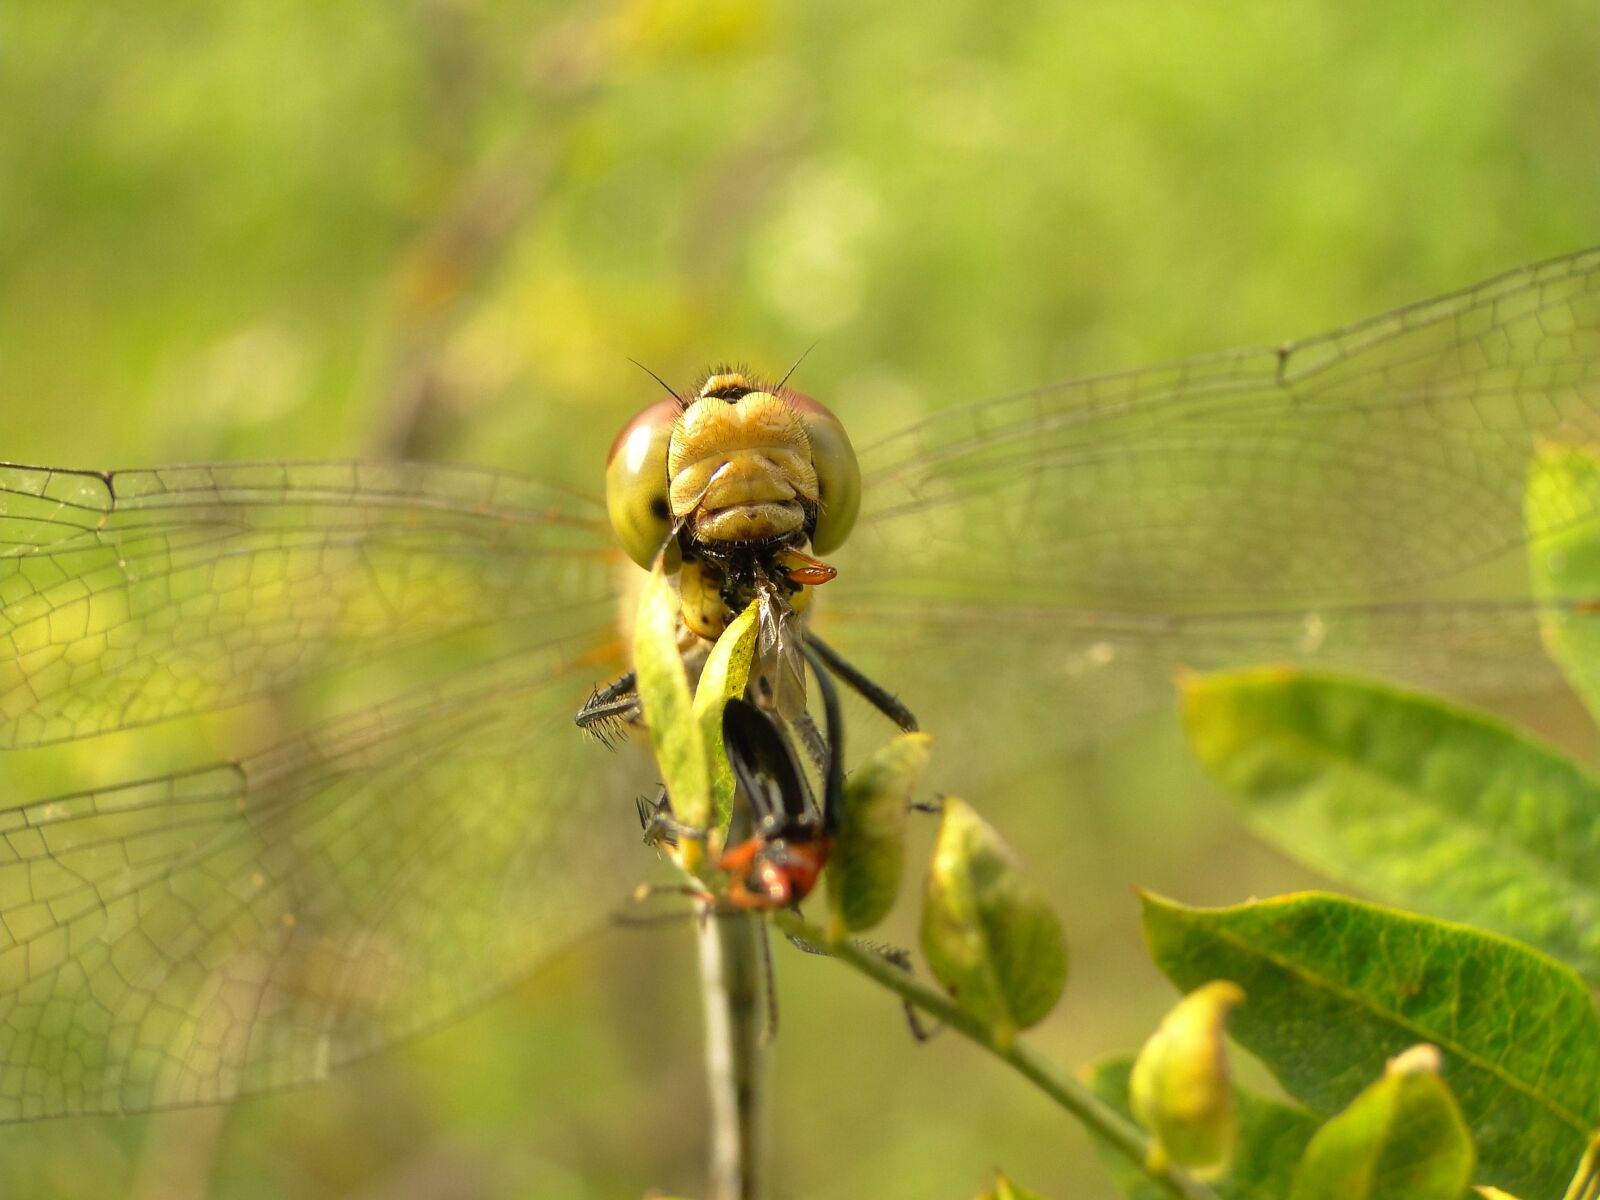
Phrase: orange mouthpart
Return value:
(805, 570)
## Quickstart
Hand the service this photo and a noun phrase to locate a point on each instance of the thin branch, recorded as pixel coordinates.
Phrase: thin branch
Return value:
(734, 988)
(1072, 1095)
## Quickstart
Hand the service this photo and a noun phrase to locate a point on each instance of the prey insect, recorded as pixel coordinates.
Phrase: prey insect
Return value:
(778, 837)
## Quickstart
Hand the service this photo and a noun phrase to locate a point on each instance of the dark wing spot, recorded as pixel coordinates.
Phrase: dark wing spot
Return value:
(659, 508)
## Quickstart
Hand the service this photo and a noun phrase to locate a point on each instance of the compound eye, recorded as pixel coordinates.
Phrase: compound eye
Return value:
(636, 482)
(838, 474)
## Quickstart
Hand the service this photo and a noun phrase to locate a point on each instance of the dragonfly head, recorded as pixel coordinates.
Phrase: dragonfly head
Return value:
(736, 465)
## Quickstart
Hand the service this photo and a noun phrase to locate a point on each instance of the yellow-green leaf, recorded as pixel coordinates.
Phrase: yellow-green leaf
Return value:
(723, 677)
(1181, 1090)
(1272, 1136)
(1004, 1189)
(669, 709)
(1403, 1138)
(868, 853)
(987, 932)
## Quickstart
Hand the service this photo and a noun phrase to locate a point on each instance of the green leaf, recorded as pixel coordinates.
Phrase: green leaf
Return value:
(1338, 987)
(668, 708)
(1272, 1137)
(987, 932)
(868, 854)
(1403, 1138)
(726, 671)
(1181, 1090)
(1418, 802)
(1564, 561)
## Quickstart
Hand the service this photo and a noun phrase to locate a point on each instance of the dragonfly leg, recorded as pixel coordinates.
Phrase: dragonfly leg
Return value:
(816, 747)
(649, 891)
(895, 956)
(874, 693)
(833, 765)
(898, 957)
(769, 979)
(609, 710)
(655, 818)
(659, 825)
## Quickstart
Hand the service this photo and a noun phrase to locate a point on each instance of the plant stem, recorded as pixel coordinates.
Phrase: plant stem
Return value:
(1072, 1095)
(1586, 1183)
(733, 983)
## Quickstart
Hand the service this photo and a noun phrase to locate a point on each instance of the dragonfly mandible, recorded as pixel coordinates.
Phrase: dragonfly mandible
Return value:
(1044, 558)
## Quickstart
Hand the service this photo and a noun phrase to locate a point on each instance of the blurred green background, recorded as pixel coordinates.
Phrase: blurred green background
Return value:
(441, 227)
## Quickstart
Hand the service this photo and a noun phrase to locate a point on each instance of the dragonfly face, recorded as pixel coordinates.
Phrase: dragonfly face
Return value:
(739, 468)
(1038, 562)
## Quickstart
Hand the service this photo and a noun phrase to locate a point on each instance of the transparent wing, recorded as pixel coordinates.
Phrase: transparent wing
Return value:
(1357, 496)
(254, 924)
(134, 596)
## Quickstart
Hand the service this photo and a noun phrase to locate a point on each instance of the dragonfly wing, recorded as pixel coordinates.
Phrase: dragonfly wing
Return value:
(1031, 682)
(1356, 497)
(131, 597)
(255, 924)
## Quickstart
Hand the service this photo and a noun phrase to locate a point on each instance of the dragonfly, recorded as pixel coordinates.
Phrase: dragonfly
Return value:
(1025, 571)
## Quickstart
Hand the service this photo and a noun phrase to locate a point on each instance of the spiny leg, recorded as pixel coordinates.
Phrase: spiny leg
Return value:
(873, 693)
(895, 956)
(833, 719)
(659, 825)
(610, 708)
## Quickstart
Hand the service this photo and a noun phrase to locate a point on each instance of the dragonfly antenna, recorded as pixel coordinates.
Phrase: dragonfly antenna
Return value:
(658, 378)
(804, 354)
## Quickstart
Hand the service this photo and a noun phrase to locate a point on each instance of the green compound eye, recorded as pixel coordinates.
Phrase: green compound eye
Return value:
(838, 474)
(636, 482)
